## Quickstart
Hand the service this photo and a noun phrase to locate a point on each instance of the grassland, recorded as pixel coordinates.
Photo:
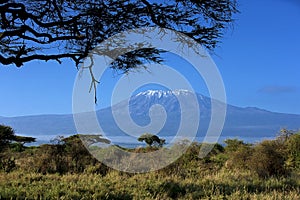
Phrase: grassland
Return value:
(223, 184)
(269, 170)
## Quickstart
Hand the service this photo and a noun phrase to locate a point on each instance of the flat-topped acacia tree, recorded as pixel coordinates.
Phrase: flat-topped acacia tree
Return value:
(151, 139)
(7, 136)
(58, 29)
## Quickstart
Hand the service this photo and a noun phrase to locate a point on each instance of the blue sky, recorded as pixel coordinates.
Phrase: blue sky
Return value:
(258, 60)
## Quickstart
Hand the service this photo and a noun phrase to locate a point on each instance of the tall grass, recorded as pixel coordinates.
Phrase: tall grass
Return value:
(69, 172)
(155, 185)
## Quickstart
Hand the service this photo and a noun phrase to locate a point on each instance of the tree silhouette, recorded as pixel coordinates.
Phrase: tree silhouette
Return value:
(89, 140)
(151, 139)
(24, 139)
(58, 29)
(7, 136)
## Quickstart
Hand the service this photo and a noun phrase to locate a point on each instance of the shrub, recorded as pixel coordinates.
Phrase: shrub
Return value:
(51, 159)
(17, 147)
(233, 144)
(98, 168)
(7, 164)
(268, 159)
(293, 151)
(239, 158)
(78, 155)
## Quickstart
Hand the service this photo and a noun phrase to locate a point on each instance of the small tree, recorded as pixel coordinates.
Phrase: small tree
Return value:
(24, 139)
(284, 135)
(293, 151)
(268, 159)
(19, 141)
(233, 145)
(151, 139)
(240, 158)
(7, 135)
(89, 140)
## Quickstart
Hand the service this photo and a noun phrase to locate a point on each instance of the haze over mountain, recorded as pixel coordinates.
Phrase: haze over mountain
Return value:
(240, 122)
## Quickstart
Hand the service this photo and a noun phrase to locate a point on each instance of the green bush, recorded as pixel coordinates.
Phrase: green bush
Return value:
(233, 144)
(239, 158)
(7, 164)
(77, 154)
(268, 159)
(293, 151)
(17, 147)
(51, 159)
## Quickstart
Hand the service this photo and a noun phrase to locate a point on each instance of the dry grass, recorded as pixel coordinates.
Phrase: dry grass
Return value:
(115, 185)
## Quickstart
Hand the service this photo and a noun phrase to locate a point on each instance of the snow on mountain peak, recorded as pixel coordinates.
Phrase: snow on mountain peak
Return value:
(160, 93)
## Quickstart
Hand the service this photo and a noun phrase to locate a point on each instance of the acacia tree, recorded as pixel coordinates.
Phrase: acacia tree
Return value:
(7, 136)
(58, 29)
(151, 139)
(24, 139)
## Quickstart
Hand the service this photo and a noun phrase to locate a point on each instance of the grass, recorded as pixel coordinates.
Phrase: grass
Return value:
(223, 184)
(234, 172)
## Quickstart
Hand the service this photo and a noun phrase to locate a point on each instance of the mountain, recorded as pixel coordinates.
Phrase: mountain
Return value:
(243, 122)
(240, 122)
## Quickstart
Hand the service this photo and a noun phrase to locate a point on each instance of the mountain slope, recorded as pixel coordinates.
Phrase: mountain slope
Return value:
(243, 122)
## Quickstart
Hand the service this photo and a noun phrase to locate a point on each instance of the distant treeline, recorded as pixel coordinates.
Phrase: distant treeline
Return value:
(278, 157)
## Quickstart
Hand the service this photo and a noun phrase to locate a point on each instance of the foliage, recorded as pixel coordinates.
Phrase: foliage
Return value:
(151, 139)
(8, 137)
(293, 151)
(239, 159)
(51, 159)
(90, 140)
(268, 159)
(154, 185)
(66, 155)
(238, 154)
(7, 164)
(24, 139)
(29, 28)
(284, 135)
(7, 134)
(16, 147)
(78, 154)
(233, 144)
(66, 170)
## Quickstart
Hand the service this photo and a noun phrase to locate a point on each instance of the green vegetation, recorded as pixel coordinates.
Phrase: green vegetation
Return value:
(8, 139)
(66, 170)
(33, 31)
(151, 139)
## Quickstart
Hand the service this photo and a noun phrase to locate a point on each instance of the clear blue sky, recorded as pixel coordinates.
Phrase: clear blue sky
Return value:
(258, 60)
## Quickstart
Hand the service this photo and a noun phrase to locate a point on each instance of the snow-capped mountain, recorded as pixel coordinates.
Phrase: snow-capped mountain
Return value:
(141, 103)
(243, 122)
